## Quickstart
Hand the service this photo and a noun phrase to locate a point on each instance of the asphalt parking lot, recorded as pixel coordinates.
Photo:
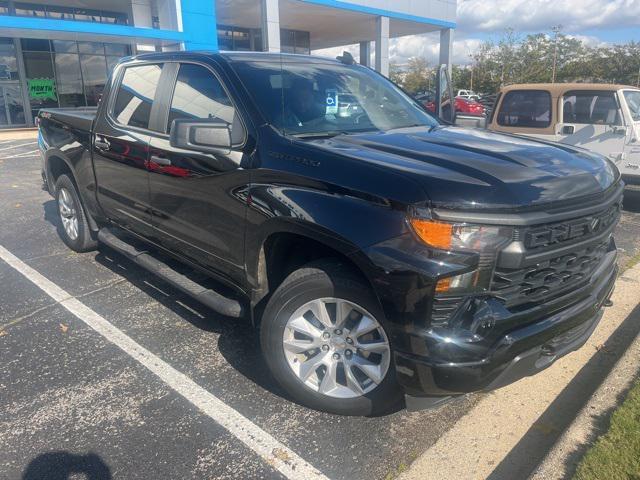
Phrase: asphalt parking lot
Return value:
(73, 401)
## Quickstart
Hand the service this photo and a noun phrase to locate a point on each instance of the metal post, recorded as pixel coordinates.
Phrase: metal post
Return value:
(270, 25)
(22, 73)
(365, 53)
(382, 45)
(446, 48)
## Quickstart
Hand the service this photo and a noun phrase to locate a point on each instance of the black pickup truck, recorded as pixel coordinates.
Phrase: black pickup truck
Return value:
(382, 253)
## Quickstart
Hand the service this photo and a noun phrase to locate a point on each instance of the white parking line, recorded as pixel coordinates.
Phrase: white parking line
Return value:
(21, 155)
(18, 146)
(271, 450)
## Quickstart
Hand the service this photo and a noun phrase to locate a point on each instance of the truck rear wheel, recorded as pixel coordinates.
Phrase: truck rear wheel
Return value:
(323, 338)
(73, 228)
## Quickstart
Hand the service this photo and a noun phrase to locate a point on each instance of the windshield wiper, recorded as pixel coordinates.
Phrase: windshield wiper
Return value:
(332, 133)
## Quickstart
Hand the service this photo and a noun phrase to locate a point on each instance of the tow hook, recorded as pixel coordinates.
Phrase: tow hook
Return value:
(607, 303)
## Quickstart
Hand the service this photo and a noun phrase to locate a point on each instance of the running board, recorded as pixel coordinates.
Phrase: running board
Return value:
(212, 299)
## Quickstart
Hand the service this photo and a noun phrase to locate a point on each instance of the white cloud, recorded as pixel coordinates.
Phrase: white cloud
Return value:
(486, 18)
(403, 48)
(538, 15)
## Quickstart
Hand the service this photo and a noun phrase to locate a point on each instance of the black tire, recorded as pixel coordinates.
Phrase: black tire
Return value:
(85, 240)
(314, 281)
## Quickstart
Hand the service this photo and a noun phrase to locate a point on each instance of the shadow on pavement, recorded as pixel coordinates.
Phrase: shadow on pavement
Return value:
(523, 459)
(631, 201)
(238, 340)
(65, 465)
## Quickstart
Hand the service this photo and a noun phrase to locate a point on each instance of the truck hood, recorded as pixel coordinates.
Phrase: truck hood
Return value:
(471, 168)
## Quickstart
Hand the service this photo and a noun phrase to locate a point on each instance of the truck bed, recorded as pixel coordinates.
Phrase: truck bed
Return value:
(77, 118)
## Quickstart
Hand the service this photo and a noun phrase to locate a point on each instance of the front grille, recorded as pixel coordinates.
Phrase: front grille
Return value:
(444, 308)
(547, 279)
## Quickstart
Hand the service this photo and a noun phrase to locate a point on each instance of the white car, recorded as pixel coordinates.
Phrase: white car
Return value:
(602, 118)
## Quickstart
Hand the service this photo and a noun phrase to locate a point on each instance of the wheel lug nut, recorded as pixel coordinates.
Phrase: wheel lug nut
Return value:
(349, 340)
(325, 347)
(336, 356)
(337, 331)
(348, 353)
(326, 335)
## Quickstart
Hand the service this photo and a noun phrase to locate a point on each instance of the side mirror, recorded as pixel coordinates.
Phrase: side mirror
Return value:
(445, 101)
(210, 136)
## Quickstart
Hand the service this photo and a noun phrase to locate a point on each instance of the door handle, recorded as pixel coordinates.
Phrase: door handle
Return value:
(568, 130)
(162, 161)
(102, 144)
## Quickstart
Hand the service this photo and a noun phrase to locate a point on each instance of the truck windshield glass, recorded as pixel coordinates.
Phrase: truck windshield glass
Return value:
(633, 100)
(329, 99)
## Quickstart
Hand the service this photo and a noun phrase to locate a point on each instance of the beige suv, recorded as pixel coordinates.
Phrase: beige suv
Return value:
(599, 117)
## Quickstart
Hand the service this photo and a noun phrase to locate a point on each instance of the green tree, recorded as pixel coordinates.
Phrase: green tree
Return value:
(417, 76)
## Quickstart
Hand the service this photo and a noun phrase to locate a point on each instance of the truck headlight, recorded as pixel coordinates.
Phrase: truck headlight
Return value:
(484, 240)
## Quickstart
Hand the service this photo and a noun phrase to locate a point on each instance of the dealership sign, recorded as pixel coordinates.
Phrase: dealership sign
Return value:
(42, 88)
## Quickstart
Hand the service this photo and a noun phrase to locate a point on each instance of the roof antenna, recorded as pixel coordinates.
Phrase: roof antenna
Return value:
(346, 58)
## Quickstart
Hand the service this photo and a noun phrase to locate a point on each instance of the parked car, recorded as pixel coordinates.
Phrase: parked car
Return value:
(379, 255)
(469, 94)
(463, 106)
(599, 117)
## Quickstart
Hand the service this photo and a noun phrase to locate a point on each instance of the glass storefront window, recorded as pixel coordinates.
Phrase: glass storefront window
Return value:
(64, 46)
(69, 80)
(8, 62)
(91, 47)
(35, 45)
(39, 69)
(225, 38)
(86, 15)
(241, 39)
(30, 10)
(64, 13)
(303, 42)
(116, 49)
(287, 41)
(61, 13)
(94, 75)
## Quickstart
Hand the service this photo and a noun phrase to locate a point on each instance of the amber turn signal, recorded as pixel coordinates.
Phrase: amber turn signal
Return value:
(436, 234)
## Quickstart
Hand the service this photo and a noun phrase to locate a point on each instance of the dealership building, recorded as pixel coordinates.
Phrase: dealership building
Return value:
(58, 53)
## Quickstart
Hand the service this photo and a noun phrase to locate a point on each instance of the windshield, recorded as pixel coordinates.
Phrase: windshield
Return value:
(318, 99)
(633, 100)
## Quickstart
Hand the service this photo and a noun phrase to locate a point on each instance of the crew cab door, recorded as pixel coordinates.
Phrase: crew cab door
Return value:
(198, 209)
(630, 163)
(120, 146)
(592, 120)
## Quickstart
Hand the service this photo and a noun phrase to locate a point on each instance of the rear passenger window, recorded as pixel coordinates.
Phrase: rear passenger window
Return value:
(199, 95)
(591, 108)
(135, 95)
(525, 108)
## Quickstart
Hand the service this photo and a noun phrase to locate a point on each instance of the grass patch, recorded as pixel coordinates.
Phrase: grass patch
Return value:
(616, 454)
(632, 262)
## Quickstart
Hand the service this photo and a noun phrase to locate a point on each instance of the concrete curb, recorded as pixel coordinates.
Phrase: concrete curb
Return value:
(508, 433)
(19, 134)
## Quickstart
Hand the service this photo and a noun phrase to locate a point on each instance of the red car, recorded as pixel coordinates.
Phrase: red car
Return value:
(463, 105)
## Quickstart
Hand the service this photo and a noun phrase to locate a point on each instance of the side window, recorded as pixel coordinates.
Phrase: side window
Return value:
(199, 95)
(590, 108)
(525, 108)
(135, 95)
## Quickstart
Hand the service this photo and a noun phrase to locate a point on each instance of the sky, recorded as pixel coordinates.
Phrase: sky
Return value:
(594, 21)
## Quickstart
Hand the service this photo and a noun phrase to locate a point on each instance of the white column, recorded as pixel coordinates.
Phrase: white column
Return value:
(446, 47)
(168, 17)
(142, 12)
(365, 53)
(270, 25)
(382, 45)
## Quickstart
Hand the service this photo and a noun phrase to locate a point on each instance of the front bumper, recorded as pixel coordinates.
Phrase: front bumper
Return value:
(549, 331)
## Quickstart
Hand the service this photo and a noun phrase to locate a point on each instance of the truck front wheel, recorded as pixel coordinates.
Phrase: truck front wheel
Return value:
(323, 338)
(73, 227)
